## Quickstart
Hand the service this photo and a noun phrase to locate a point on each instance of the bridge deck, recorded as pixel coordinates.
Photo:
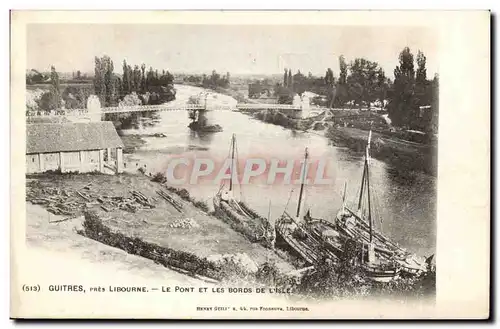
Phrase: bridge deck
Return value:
(191, 107)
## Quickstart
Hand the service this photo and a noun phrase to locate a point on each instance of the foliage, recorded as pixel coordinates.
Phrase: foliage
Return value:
(51, 100)
(413, 100)
(35, 77)
(130, 100)
(75, 97)
(160, 86)
(277, 118)
(151, 87)
(268, 274)
(159, 177)
(254, 89)
(215, 80)
(184, 194)
(284, 94)
(367, 82)
(342, 279)
(107, 85)
(201, 205)
(94, 228)
(33, 100)
(193, 99)
(194, 79)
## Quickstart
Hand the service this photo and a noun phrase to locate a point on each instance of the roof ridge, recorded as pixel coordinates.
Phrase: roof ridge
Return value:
(74, 136)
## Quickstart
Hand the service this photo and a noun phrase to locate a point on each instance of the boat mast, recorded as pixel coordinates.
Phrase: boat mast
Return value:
(362, 186)
(370, 221)
(343, 196)
(302, 182)
(233, 140)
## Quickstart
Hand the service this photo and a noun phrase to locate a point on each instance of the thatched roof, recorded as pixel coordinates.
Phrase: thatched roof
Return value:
(64, 137)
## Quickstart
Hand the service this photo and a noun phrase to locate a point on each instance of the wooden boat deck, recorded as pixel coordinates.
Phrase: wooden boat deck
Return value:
(310, 248)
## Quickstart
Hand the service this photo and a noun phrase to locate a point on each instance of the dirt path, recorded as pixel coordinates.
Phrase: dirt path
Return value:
(61, 240)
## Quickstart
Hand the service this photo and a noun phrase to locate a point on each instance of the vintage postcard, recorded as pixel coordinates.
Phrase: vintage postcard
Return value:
(250, 165)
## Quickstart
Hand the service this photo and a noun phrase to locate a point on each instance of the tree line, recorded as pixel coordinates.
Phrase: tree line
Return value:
(135, 86)
(46, 101)
(411, 100)
(151, 87)
(212, 81)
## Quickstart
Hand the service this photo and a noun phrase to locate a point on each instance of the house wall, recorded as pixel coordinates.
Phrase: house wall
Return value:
(32, 163)
(50, 161)
(70, 161)
(79, 161)
(89, 161)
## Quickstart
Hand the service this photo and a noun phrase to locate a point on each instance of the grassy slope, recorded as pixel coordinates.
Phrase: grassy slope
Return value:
(62, 239)
(212, 237)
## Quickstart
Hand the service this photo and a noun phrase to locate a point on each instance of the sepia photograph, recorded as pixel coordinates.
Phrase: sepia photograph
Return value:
(291, 164)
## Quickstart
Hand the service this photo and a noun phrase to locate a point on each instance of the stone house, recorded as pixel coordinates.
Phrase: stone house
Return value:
(73, 147)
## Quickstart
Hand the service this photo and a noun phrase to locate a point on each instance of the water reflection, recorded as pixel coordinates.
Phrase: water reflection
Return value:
(203, 138)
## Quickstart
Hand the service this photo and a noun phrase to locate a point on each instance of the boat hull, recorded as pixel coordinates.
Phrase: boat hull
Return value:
(384, 248)
(250, 226)
(378, 275)
(305, 245)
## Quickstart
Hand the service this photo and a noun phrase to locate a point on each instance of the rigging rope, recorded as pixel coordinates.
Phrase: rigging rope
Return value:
(377, 209)
(237, 161)
(303, 175)
(288, 201)
(228, 157)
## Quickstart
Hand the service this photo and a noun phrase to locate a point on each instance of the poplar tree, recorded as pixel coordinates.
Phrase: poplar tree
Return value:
(402, 103)
(126, 79)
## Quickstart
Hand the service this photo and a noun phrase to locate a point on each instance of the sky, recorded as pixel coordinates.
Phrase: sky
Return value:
(238, 49)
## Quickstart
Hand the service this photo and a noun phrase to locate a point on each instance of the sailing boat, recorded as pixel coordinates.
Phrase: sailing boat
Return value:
(380, 252)
(239, 215)
(292, 235)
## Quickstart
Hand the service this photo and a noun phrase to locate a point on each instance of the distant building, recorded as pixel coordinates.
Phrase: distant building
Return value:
(73, 147)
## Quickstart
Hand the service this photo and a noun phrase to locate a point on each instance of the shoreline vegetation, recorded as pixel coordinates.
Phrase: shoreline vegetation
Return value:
(349, 128)
(150, 235)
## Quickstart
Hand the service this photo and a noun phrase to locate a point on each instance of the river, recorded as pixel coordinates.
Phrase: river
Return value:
(407, 206)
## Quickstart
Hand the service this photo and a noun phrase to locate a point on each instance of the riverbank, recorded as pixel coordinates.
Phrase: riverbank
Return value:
(132, 142)
(130, 205)
(403, 155)
(107, 216)
(350, 129)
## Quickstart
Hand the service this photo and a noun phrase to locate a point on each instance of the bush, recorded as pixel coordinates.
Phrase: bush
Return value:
(130, 100)
(268, 274)
(159, 178)
(277, 118)
(94, 228)
(201, 205)
(184, 194)
(334, 280)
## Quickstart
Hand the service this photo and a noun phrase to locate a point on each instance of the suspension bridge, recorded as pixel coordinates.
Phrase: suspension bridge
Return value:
(173, 107)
